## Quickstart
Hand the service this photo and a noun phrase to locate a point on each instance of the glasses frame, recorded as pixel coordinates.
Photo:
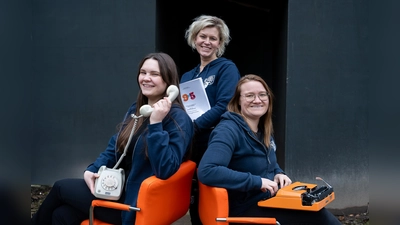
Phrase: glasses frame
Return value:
(246, 97)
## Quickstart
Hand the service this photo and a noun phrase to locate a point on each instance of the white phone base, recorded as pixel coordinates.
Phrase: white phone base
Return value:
(109, 184)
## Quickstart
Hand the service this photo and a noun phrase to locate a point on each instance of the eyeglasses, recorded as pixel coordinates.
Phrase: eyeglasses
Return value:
(252, 97)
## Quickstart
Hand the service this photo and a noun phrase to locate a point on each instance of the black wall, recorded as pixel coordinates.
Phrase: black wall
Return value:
(258, 42)
(80, 60)
(15, 115)
(314, 56)
(327, 100)
(85, 57)
(384, 110)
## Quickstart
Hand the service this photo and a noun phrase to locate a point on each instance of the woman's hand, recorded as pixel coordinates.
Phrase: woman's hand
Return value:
(269, 185)
(160, 110)
(282, 179)
(90, 178)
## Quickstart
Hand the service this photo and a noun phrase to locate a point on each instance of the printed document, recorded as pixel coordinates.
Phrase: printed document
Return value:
(194, 97)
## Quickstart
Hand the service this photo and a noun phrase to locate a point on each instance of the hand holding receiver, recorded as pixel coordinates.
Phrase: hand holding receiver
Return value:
(109, 183)
(172, 92)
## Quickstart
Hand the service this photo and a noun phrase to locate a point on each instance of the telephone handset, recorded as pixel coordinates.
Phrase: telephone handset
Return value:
(172, 92)
(110, 183)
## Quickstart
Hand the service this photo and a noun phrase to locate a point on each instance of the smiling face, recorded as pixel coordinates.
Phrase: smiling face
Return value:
(207, 42)
(253, 109)
(151, 82)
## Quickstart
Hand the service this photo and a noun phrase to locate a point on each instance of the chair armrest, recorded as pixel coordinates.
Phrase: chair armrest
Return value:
(113, 205)
(214, 208)
(108, 204)
(255, 220)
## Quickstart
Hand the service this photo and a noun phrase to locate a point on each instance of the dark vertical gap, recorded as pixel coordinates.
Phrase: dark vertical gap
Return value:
(258, 44)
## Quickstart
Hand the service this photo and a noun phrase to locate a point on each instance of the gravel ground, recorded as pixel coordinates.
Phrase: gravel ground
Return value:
(39, 192)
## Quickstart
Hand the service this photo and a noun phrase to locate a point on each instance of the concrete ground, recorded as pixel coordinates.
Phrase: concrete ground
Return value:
(185, 220)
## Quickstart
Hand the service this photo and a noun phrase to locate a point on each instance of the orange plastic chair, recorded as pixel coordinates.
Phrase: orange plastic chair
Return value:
(214, 208)
(160, 202)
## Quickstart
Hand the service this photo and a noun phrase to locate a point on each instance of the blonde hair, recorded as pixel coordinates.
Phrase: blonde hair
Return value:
(204, 21)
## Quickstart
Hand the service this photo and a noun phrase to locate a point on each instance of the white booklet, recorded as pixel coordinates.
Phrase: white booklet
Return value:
(194, 97)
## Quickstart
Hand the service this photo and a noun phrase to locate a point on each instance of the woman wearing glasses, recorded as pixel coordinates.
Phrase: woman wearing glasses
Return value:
(241, 157)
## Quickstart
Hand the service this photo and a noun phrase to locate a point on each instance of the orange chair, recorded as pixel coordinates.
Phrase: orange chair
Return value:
(160, 202)
(214, 208)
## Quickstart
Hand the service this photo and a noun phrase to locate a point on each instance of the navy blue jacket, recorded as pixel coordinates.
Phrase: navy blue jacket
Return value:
(167, 144)
(236, 160)
(220, 77)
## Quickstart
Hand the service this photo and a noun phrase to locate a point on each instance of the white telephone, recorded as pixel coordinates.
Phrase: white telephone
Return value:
(172, 92)
(110, 183)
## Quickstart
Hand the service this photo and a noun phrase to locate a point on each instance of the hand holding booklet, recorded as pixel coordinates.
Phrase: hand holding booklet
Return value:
(194, 98)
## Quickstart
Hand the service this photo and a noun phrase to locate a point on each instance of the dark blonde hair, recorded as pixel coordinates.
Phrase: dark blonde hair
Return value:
(266, 119)
(169, 74)
(204, 21)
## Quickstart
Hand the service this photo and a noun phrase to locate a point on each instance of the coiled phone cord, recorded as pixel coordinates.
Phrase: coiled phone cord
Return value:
(129, 140)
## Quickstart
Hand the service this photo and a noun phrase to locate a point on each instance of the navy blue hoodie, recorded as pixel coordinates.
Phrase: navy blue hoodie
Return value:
(167, 143)
(236, 160)
(220, 77)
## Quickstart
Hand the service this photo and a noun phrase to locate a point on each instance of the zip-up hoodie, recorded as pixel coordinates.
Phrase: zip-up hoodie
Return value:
(236, 160)
(167, 143)
(220, 77)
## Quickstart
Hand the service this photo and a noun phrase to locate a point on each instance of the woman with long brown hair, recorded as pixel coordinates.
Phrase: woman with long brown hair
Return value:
(158, 145)
(241, 157)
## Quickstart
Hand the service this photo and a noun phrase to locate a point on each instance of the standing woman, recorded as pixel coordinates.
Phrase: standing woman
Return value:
(241, 158)
(209, 35)
(158, 146)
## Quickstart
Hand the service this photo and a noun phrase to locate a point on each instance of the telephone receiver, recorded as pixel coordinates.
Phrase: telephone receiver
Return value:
(172, 92)
(109, 185)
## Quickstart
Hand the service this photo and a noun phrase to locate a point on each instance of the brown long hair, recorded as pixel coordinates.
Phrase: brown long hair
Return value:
(169, 74)
(266, 119)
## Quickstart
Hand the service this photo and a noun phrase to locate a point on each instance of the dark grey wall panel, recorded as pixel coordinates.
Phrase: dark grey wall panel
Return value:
(85, 57)
(385, 109)
(16, 102)
(328, 97)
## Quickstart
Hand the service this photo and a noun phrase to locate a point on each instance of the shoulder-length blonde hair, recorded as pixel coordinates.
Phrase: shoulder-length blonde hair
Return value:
(266, 119)
(204, 21)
